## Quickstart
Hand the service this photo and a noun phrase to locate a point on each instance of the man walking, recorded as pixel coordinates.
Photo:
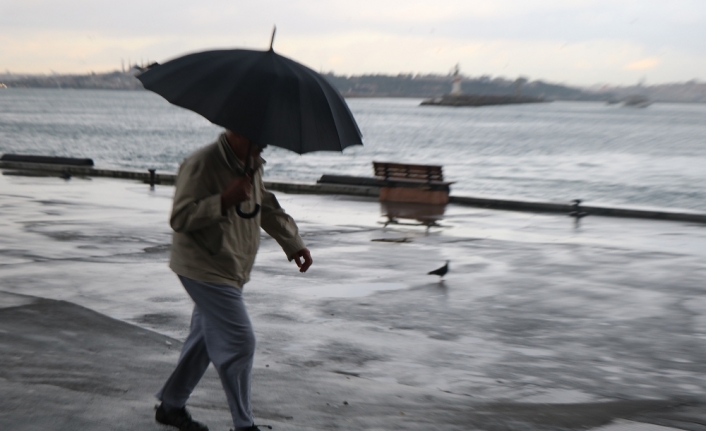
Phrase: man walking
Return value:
(213, 251)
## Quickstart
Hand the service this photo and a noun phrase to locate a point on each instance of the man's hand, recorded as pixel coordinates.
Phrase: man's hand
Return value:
(236, 192)
(306, 256)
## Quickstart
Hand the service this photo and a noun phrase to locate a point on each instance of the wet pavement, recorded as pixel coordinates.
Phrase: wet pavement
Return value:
(540, 324)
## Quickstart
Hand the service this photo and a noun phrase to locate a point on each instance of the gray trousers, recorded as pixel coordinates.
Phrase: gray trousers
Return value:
(221, 333)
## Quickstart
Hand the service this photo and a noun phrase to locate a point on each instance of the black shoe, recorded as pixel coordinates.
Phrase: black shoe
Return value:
(179, 418)
(252, 428)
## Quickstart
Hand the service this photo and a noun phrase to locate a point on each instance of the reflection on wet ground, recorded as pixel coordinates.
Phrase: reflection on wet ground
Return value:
(347, 290)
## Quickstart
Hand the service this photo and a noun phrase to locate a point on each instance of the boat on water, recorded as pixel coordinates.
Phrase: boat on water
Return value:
(480, 100)
(457, 98)
(637, 101)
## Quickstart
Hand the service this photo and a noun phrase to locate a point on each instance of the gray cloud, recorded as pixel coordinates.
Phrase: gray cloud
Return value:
(671, 30)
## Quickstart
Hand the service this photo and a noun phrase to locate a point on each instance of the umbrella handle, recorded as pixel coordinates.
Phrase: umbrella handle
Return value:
(247, 170)
(246, 215)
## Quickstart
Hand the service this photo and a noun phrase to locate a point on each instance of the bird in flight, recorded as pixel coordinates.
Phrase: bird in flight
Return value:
(441, 272)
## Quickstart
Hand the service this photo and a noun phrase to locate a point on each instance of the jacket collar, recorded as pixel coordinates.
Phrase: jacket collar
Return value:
(232, 160)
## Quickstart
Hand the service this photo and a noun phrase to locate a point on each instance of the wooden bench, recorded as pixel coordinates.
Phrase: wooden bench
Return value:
(424, 173)
(403, 182)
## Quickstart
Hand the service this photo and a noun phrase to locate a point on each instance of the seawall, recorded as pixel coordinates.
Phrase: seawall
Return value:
(168, 178)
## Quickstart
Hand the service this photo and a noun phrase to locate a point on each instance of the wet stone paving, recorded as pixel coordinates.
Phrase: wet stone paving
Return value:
(539, 323)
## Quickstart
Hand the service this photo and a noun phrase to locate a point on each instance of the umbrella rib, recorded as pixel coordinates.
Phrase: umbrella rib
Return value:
(335, 120)
(235, 91)
(335, 117)
(345, 105)
(324, 85)
(301, 128)
(284, 62)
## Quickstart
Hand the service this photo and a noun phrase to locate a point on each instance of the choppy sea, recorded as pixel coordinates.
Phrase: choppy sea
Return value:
(603, 154)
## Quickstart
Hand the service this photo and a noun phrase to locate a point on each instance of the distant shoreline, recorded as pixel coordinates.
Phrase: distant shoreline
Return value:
(345, 95)
(405, 86)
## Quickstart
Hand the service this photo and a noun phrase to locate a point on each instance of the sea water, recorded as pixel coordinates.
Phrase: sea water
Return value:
(559, 151)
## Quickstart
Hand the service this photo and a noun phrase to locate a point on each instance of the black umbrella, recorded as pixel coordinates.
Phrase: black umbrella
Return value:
(268, 98)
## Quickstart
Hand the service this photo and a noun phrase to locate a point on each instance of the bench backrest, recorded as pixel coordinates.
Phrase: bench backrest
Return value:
(408, 171)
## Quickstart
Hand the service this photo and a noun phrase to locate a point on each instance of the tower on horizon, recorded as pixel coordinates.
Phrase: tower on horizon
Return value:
(456, 81)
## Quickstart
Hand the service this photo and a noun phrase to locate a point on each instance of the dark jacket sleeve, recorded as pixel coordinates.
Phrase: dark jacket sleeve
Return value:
(278, 224)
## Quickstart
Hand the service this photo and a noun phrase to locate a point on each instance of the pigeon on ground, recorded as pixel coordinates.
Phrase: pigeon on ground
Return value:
(441, 272)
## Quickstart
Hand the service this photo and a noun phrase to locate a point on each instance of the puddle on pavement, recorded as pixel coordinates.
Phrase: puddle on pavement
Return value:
(560, 396)
(13, 260)
(348, 290)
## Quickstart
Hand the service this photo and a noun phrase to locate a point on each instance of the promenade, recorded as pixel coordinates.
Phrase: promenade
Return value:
(539, 325)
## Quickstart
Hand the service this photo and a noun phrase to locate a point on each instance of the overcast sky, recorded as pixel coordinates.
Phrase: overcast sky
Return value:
(569, 41)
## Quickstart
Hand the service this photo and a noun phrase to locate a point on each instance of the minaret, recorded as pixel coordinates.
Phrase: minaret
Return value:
(456, 81)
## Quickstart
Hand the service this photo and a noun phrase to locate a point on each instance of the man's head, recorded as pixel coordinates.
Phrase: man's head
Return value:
(240, 145)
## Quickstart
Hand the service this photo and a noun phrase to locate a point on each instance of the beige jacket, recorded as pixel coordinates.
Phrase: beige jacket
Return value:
(208, 246)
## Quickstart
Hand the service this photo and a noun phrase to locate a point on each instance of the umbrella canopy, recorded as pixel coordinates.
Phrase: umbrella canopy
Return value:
(268, 98)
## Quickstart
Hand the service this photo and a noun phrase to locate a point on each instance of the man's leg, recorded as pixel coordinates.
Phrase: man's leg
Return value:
(192, 364)
(229, 340)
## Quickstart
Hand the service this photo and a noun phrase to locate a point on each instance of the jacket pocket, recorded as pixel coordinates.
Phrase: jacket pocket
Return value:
(209, 238)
